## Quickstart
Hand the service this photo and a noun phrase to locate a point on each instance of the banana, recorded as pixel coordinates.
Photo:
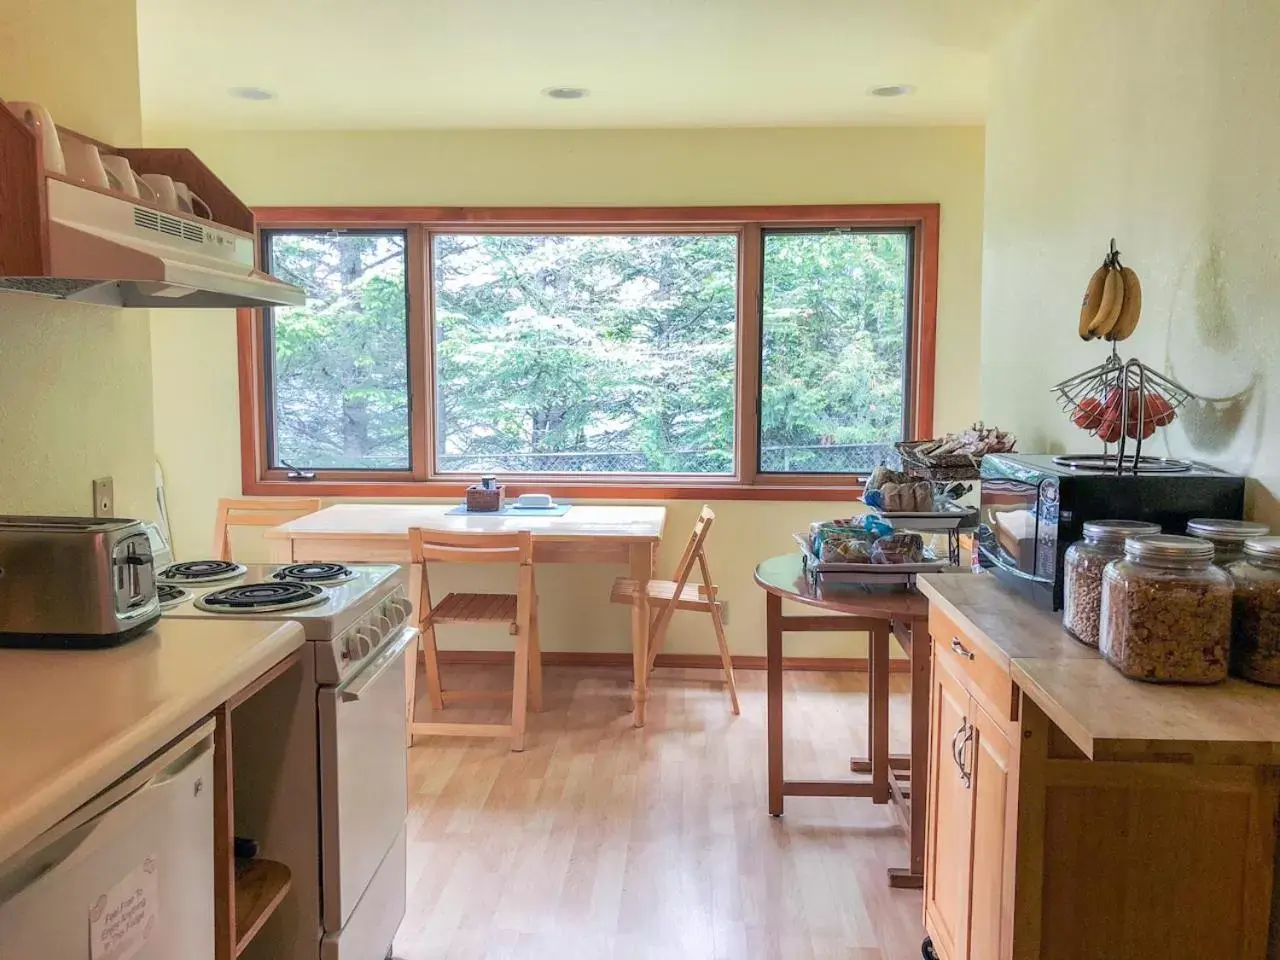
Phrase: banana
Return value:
(1092, 300)
(1109, 309)
(1131, 309)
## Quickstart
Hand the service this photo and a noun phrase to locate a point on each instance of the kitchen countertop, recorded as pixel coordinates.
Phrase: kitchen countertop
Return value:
(1107, 715)
(73, 721)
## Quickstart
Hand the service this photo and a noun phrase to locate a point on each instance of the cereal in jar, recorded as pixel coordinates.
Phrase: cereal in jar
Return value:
(1255, 632)
(1082, 573)
(1166, 611)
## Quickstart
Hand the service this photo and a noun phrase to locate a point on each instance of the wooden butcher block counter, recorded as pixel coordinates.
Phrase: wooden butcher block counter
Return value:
(1078, 815)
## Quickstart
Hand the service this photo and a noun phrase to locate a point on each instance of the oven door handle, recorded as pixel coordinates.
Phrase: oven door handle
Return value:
(351, 691)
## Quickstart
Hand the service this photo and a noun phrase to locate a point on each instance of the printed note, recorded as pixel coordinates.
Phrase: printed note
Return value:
(123, 919)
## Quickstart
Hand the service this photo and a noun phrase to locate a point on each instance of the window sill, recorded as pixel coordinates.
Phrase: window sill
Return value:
(817, 491)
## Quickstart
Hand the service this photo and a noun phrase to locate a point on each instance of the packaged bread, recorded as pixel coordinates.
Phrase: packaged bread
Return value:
(846, 550)
(923, 496)
(898, 548)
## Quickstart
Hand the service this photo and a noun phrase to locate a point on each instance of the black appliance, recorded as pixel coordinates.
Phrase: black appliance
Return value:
(1033, 507)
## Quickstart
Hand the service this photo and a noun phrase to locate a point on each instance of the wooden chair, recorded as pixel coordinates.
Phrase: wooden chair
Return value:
(519, 611)
(264, 512)
(668, 596)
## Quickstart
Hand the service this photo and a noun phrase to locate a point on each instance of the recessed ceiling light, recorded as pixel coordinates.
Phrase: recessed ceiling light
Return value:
(565, 93)
(892, 90)
(251, 93)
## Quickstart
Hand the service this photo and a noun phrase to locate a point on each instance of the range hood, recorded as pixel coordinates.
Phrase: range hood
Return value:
(107, 249)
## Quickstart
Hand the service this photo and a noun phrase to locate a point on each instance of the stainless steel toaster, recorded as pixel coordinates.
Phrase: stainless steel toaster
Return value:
(75, 581)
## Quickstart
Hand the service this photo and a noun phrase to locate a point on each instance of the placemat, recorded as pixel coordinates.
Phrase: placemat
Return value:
(510, 509)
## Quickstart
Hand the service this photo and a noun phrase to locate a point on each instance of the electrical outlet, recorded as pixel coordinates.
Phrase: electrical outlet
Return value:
(104, 497)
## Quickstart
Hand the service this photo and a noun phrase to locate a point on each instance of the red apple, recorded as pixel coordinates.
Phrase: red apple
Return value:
(1088, 415)
(1158, 410)
(1131, 427)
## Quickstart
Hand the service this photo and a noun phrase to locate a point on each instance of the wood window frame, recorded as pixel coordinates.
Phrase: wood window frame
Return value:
(749, 223)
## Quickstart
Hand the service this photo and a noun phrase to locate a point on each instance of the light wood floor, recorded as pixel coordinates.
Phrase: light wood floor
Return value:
(602, 841)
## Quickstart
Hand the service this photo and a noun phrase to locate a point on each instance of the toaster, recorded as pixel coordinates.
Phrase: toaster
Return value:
(78, 582)
(1035, 506)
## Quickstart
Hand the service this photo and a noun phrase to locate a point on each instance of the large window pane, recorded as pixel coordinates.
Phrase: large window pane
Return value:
(338, 366)
(835, 323)
(585, 353)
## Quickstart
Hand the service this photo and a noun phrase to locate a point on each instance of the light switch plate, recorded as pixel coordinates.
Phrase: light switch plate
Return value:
(104, 497)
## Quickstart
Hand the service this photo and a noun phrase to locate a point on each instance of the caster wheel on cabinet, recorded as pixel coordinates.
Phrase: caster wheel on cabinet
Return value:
(926, 949)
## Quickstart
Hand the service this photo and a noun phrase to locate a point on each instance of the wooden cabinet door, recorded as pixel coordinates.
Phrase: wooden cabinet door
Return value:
(950, 819)
(988, 758)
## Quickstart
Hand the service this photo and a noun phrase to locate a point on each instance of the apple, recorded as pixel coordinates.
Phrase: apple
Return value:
(1088, 414)
(1158, 410)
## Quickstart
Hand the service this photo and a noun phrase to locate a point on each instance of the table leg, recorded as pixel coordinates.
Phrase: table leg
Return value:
(921, 667)
(773, 663)
(878, 719)
(642, 556)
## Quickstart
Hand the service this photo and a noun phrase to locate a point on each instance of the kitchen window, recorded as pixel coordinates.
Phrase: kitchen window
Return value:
(584, 353)
(337, 367)
(773, 352)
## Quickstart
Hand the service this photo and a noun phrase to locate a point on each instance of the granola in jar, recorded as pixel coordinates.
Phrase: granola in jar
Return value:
(1166, 611)
(1082, 573)
(1227, 536)
(1255, 630)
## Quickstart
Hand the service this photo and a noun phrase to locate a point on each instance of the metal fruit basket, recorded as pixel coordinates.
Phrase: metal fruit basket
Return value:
(1120, 401)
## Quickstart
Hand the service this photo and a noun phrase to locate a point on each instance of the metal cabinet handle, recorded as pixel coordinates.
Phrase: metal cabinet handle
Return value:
(960, 649)
(957, 746)
(966, 775)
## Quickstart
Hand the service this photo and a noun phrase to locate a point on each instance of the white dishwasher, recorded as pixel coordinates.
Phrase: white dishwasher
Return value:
(128, 875)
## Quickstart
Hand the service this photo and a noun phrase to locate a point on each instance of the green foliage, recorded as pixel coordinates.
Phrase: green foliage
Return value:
(340, 362)
(591, 352)
(834, 349)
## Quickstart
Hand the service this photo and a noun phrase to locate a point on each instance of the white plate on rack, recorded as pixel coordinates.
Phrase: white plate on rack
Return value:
(953, 518)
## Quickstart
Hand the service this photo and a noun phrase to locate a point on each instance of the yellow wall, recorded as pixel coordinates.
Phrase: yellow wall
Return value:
(195, 355)
(1154, 123)
(75, 381)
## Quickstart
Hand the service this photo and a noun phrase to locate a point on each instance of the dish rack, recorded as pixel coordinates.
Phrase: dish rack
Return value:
(872, 574)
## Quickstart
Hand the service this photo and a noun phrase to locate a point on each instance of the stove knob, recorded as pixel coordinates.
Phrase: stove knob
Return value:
(361, 644)
(403, 609)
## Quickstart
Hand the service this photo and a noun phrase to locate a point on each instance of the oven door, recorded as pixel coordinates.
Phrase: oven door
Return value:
(363, 776)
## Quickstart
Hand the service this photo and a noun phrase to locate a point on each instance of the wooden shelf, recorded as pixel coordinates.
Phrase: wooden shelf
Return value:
(260, 888)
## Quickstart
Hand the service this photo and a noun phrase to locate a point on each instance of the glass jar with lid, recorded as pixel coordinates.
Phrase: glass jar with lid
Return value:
(1082, 572)
(1166, 611)
(1255, 635)
(1227, 536)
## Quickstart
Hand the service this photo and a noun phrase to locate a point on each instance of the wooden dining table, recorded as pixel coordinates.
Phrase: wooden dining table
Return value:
(379, 533)
(882, 777)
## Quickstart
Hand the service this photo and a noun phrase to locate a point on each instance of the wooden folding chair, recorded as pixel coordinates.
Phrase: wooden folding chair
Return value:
(519, 611)
(668, 596)
(264, 512)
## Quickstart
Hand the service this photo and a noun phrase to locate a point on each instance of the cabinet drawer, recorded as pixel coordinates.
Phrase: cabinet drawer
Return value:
(984, 677)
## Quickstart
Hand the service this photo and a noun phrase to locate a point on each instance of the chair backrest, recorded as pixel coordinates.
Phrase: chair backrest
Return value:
(693, 550)
(264, 512)
(439, 546)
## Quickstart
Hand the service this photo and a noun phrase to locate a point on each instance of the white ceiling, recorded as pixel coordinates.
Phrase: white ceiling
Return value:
(340, 64)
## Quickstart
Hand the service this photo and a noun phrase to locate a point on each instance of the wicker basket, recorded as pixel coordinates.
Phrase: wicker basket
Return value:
(485, 499)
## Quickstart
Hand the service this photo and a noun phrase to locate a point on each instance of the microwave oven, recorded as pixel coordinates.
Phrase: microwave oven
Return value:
(1032, 508)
